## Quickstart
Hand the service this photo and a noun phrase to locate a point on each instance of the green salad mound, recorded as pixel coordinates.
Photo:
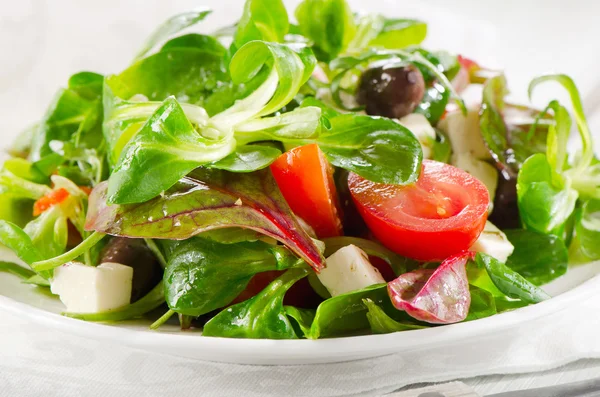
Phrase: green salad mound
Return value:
(181, 168)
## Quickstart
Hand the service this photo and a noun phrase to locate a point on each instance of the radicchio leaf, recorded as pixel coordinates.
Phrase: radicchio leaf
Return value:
(438, 296)
(207, 200)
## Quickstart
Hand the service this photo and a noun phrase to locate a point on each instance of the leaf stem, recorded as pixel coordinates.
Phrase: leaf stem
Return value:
(163, 319)
(76, 252)
(156, 251)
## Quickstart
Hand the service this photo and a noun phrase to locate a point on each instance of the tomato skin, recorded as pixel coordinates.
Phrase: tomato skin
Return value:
(51, 199)
(305, 179)
(439, 216)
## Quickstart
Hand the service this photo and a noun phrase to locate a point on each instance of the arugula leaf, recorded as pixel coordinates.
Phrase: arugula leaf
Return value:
(438, 296)
(248, 158)
(509, 282)
(540, 258)
(260, 317)
(588, 228)
(171, 26)
(262, 20)
(203, 275)
(206, 200)
(166, 149)
(328, 23)
(377, 149)
(545, 203)
(381, 323)
(346, 314)
(153, 300)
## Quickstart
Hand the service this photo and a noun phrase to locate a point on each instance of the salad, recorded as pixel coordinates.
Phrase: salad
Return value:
(298, 180)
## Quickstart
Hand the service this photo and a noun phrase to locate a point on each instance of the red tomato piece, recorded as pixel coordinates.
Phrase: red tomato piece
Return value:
(305, 178)
(440, 215)
(51, 199)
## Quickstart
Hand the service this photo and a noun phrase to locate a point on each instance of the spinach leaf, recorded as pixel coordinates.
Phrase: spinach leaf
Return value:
(75, 112)
(483, 304)
(329, 24)
(346, 314)
(509, 282)
(265, 20)
(203, 275)
(171, 26)
(19, 242)
(545, 203)
(16, 269)
(381, 323)
(206, 200)
(166, 149)
(260, 317)
(302, 317)
(588, 228)
(377, 149)
(247, 158)
(540, 258)
(154, 299)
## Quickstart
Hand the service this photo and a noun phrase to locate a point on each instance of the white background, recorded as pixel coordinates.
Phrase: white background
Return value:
(43, 42)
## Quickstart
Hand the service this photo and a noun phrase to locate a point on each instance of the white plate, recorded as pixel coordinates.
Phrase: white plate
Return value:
(579, 284)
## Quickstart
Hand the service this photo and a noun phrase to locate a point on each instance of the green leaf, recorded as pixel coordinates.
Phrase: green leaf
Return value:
(265, 20)
(154, 299)
(434, 103)
(328, 23)
(346, 314)
(16, 269)
(588, 228)
(171, 26)
(303, 317)
(15, 209)
(558, 137)
(49, 232)
(87, 85)
(483, 304)
(19, 187)
(587, 154)
(543, 206)
(400, 33)
(203, 275)
(166, 149)
(260, 317)
(441, 148)
(202, 42)
(19, 242)
(207, 200)
(381, 323)
(540, 258)
(377, 149)
(509, 282)
(248, 158)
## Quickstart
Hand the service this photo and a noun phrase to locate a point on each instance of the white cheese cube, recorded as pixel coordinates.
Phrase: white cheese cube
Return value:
(493, 242)
(349, 270)
(422, 130)
(87, 289)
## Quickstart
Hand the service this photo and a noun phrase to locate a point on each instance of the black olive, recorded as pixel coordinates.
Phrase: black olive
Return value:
(506, 210)
(134, 253)
(392, 92)
(353, 223)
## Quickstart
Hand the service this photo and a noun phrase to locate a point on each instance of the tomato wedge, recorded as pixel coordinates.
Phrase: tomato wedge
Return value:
(440, 215)
(305, 178)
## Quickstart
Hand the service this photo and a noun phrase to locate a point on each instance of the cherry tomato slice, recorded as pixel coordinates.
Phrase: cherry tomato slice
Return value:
(440, 215)
(306, 180)
(51, 199)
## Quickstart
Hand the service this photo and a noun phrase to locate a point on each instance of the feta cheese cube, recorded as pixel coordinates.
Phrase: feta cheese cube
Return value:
(493, 242)
(87, 289)
(348, 270)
